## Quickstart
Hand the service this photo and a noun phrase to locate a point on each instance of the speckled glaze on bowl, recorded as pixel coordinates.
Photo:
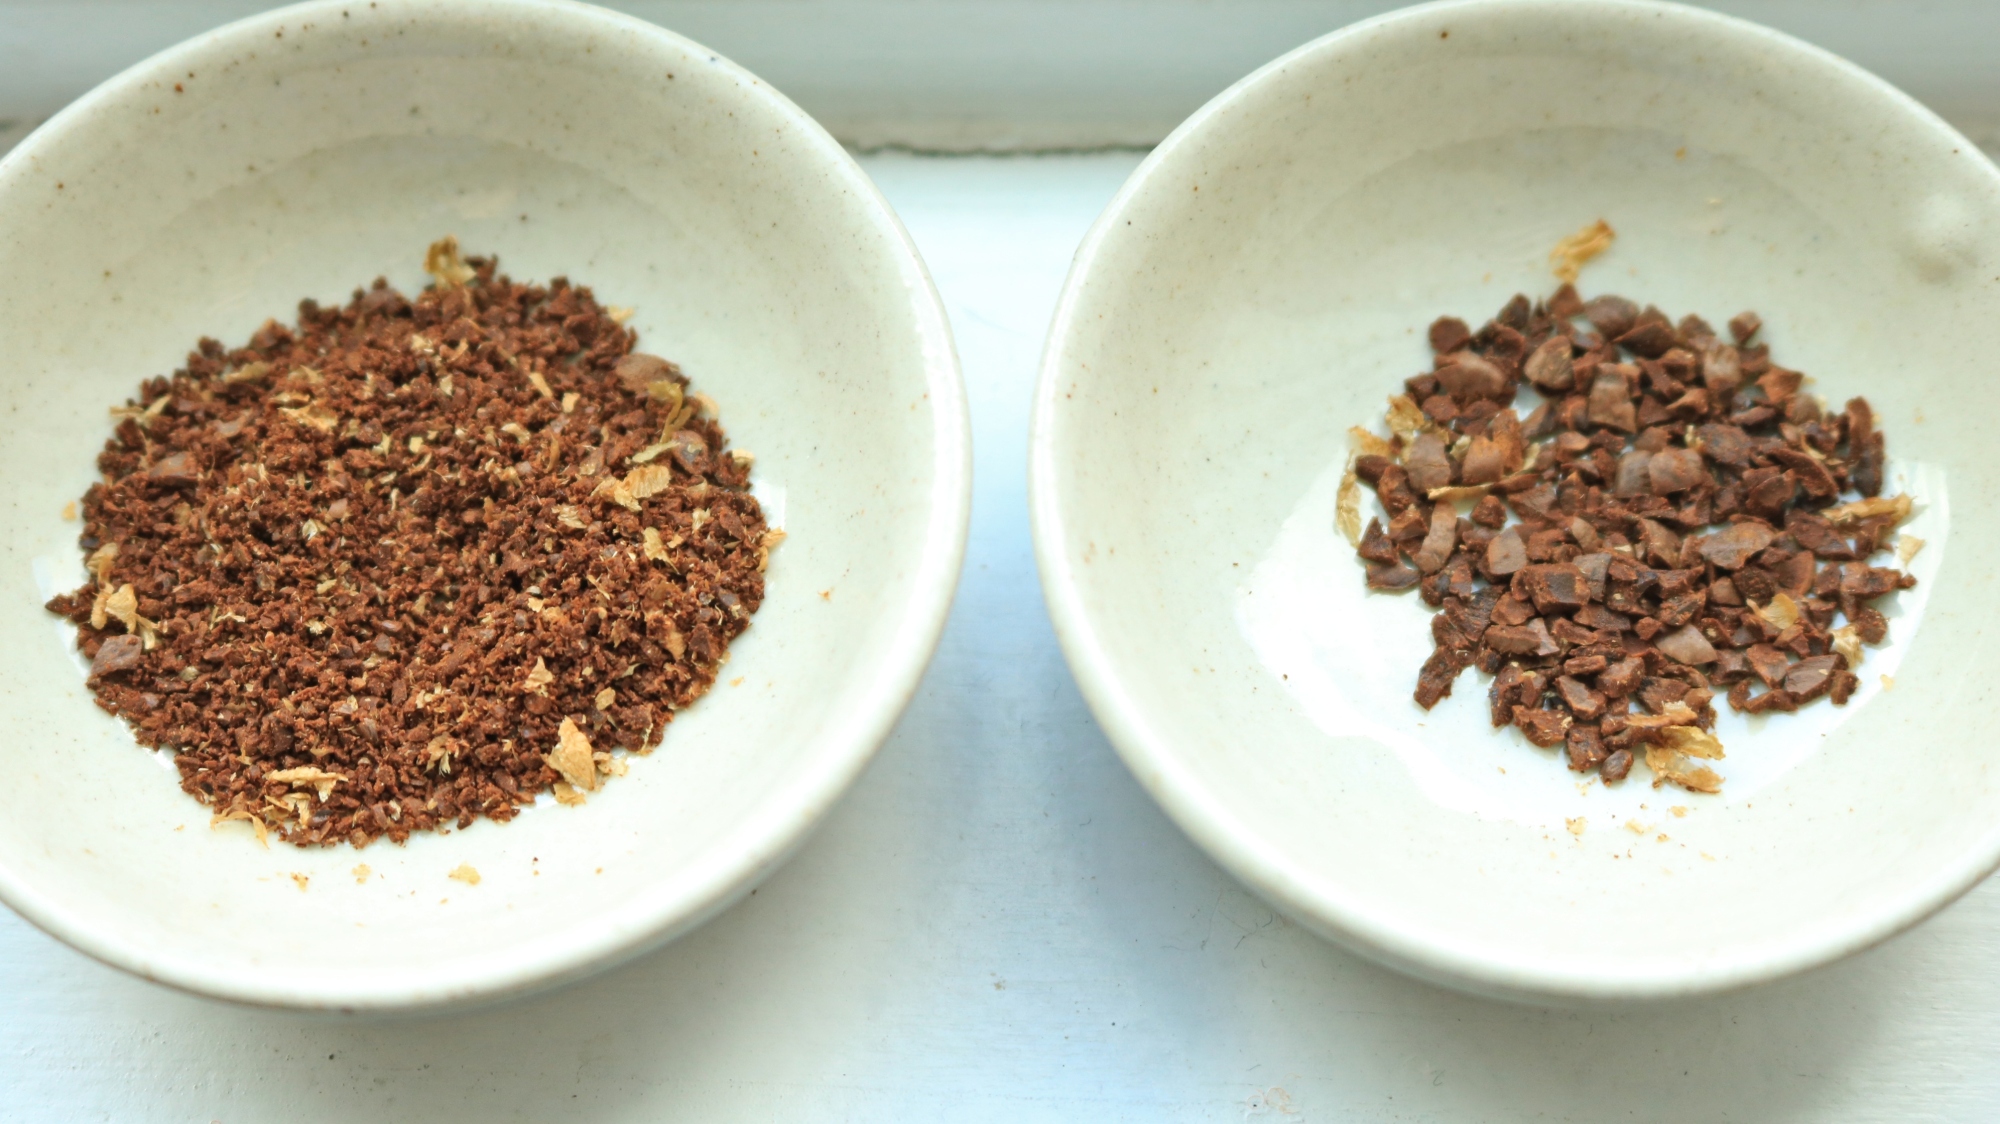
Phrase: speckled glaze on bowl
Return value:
(1263, 282)
(301, 154)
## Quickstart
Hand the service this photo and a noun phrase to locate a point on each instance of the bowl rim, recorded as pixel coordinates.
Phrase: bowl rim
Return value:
(739, 859)
(1423, 951)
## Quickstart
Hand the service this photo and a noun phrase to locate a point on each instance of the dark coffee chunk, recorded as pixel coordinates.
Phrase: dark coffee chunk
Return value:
(1550, 366)
(1777, 699)
(1469, 377)
(1616, 765)
(1598, 617)
(1394, 490)
(1489, 512)
(1376, 545)
(1545, 728)
(1393, 575)
(1448, 334)
(1585, 747)
(1660, 546)
(116, 654)
(1531, 639)
(1585, 665)
(1655, 693)
(1370, 468)
(1409, 526)
(1553, 587)
(1440, 408)
(1503, 694)
(1435, 679)
(1611, 316)
(1871, 625)
(1513, 609)
(1506, 554)
(1565, 304)
(1675, 470)
(1810, 677)
(1426, 463)
(1611, 403)
(1730, 666)
(1587, 705)
(1721, 371)
(1768, 663)
(1814, 533)
(1734, 545)
(1651, 339)
(1793, 574)
(1440, 541)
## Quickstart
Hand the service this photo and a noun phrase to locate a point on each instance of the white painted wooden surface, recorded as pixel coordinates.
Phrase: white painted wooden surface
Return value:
(998, 925)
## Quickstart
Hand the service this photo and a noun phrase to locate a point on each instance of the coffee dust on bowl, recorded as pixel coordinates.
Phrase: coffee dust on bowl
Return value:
(1264, 282)
(304, 152)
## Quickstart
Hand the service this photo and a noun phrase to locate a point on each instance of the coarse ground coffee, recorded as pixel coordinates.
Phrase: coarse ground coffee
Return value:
(1677, 517)
(410, 563)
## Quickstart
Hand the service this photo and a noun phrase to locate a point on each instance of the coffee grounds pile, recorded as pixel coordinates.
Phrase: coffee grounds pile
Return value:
(410, 563)
(1668, 523)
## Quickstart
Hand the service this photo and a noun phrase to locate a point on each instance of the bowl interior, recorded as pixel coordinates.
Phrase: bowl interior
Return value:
(303, 153)
(1265, 282)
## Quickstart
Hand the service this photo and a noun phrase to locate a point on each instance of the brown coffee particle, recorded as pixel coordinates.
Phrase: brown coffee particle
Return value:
(114, 654)
(1616, 765)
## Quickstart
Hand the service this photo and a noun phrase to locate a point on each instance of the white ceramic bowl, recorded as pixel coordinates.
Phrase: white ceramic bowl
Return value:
(304, 152)
(1263, 282)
